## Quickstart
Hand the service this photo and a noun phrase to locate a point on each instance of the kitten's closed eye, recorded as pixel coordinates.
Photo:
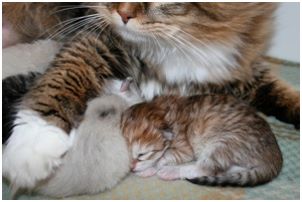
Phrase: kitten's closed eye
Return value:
(145, 155)
(106, 112)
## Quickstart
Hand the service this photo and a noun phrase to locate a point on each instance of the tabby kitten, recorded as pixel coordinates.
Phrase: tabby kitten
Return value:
(207, 139)
(168, 48)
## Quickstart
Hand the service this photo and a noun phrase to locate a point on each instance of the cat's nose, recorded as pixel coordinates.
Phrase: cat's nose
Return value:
(127, 11)
(125, 16)
(133, 165)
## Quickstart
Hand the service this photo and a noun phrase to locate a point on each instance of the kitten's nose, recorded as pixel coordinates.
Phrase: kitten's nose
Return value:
(133, 165)
(127, 11)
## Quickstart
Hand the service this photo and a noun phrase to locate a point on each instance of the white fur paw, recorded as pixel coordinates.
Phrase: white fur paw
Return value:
(169, 173)
(166, 160)
(33, 151)
(147, 173)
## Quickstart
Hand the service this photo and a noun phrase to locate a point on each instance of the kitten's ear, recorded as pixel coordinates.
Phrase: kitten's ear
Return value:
(126, 84)
(168, 134)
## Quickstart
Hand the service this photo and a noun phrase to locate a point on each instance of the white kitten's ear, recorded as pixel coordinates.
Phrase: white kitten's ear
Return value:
(126, 84)
(168, 134)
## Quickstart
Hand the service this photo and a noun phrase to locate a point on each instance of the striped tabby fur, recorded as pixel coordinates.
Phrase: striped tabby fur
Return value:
(211, 139)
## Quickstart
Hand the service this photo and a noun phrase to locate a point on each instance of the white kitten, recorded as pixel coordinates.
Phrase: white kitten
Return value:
(99, 157)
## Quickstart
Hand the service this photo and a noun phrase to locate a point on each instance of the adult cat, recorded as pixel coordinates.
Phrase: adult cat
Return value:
(168, 48)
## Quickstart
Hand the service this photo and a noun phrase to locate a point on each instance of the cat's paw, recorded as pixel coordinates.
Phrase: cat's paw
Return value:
(169, 173)
(33, 150)
(166, 160)
(147, 173)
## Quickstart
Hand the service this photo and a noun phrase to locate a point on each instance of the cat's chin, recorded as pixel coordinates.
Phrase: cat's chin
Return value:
(132, 36)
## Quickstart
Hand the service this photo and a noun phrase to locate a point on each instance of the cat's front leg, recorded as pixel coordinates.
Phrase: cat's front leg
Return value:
(275, 97)
(33, 151)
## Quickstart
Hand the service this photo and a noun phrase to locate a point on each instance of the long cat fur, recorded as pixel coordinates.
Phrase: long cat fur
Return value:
(220, 51)
(223, 140)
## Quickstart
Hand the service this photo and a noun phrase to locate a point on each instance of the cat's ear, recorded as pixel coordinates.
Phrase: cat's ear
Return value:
(168, 134)
(125, 84)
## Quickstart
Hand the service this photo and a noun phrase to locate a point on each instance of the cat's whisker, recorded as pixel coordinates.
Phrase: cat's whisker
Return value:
(209, 48)
(199, 53)
(97, 25)
(182, 45)
(157, 43)
(67, 8)
(90, 22)
(69, 25)
(64, 23)
(69, 29)
(175, 42)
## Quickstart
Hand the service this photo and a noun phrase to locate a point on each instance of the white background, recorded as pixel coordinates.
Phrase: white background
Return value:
(286, 41)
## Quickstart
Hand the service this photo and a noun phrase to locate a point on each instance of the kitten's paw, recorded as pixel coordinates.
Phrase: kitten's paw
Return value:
(147, 173)
(166, 160)
(33, 151)
(169, 173)
(162, 162)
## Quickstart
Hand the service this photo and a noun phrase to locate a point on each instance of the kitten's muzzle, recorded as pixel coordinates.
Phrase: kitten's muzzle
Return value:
(133, 165)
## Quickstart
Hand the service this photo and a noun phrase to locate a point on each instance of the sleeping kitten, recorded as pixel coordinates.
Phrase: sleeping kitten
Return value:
(210, 139)
(99, 158)
(167, 48)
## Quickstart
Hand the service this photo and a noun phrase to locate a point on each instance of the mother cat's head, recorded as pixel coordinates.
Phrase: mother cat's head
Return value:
(236, 25)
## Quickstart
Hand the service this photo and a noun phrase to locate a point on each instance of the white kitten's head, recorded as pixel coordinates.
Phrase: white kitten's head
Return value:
(125, 89)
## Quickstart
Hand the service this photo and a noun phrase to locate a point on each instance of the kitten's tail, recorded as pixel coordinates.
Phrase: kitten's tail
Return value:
(250, 177)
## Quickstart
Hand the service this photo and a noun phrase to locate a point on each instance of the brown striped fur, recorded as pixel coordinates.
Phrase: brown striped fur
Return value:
(216, 134)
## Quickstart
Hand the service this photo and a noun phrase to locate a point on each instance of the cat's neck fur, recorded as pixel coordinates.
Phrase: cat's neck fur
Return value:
(213, 63)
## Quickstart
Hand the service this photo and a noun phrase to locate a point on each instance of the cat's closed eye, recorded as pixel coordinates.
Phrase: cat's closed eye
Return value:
(169, 9)
(144, 156)
(173, 9)
(104, 113)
